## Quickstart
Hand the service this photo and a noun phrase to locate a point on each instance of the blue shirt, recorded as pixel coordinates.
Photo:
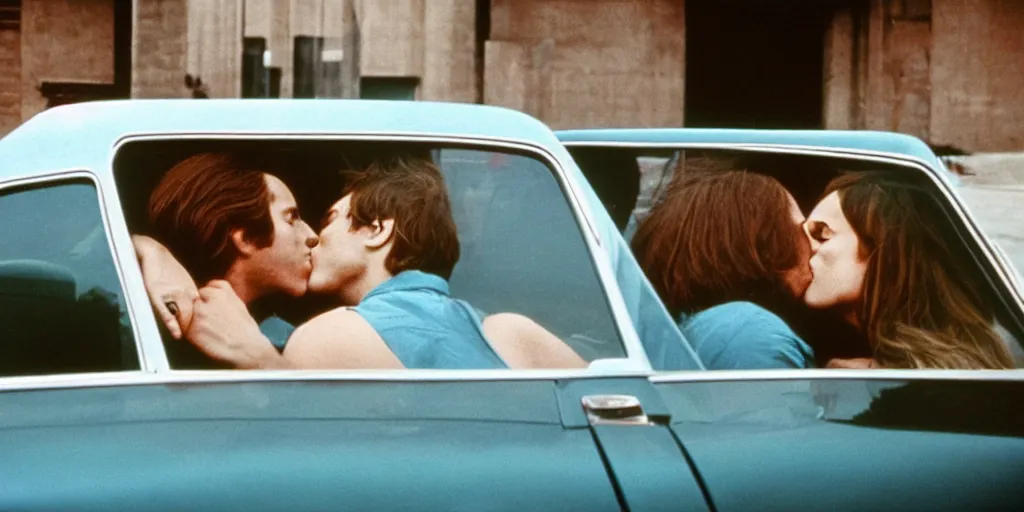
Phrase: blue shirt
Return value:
(277, 330)
(744, 336)
(415, 315)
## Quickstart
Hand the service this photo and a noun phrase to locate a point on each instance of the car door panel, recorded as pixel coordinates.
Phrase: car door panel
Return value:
(853, 444)
(649, 470)
(497, 445)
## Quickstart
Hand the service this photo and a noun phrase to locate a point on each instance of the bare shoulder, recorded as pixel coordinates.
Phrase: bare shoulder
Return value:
(523, 343)
(339, 339)
(513, 321)
(339, 322)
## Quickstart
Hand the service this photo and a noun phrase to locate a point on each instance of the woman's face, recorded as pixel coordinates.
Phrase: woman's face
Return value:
(836, 264)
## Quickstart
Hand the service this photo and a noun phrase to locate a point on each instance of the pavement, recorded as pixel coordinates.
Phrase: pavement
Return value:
(995, 196)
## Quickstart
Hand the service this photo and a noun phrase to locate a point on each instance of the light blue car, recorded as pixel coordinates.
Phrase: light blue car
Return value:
(100, 410)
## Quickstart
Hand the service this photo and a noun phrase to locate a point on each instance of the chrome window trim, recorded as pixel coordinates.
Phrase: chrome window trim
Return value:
(202, 377)
(56, 177)
(936, 176)
(636, 358)
(836, 374)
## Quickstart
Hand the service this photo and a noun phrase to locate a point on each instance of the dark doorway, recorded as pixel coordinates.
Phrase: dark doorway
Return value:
(754, 64)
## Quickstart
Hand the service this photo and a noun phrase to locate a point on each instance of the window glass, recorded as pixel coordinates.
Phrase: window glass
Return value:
(756, 284)
(61, 305)
(523, 251)
(521, 248)
(992, 185)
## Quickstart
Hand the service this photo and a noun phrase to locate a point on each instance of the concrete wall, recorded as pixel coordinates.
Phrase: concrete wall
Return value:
(433, 40)
(215, 45)
(877, 68)
(10, 80)
(159, 49)
(948, 71)
(391, 33)
(622, 66)
(64, 40)
(978, 74)
(450, 44)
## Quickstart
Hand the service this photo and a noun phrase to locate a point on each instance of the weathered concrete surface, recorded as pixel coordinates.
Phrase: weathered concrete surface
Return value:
(215, 45)
(977, 74)
(576, 64)
(995, 196)
(159, 49)
(64, 40)
(10, 80)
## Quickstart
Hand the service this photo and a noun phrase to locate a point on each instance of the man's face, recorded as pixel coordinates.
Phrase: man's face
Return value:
(285, 265)
(798, 278)
(341, 255)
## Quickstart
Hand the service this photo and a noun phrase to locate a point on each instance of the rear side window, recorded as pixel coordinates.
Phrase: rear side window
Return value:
(522, 250)
(62, 309)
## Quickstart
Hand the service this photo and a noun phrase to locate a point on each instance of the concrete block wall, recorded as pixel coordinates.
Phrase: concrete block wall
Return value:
(588, 64)
(159, 49)
(948, 71)
(978, 74)
(215, 45)
(10, 80)
(64, 40)
(432, 40)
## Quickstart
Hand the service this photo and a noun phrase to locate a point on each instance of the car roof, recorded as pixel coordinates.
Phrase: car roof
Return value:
(874, 141)
(80, 134)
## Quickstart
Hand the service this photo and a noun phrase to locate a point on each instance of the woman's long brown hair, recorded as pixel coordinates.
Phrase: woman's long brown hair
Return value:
(918, 308)
(719, 236)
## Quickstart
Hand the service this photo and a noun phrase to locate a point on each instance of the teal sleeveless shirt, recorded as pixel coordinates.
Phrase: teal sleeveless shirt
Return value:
(415, 315)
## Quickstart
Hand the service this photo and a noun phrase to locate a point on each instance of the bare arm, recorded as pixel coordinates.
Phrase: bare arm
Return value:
(171, 289)
(223, 329)
(522, 343)
(339, 339)
(856, 363)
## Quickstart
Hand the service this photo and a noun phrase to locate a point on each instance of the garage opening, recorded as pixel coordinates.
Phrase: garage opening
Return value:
(754, 64)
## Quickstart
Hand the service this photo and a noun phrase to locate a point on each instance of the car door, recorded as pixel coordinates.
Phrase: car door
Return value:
(881, 440)
(253, 443)
(784, 440)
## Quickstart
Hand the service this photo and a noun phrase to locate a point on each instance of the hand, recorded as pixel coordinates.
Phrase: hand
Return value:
(223, 329)
(859, 362)
(171, 289)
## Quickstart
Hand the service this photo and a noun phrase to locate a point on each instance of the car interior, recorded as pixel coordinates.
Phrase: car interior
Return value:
(616, 172)
(522, 248)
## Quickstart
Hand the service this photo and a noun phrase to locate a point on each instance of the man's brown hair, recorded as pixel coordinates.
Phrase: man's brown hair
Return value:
(719, 236)
(200, 202)
(411, 191)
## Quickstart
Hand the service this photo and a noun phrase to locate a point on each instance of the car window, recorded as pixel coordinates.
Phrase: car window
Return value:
(521, 247)
(61, 305)
(992, 186)
(523, 251)
(699, 261)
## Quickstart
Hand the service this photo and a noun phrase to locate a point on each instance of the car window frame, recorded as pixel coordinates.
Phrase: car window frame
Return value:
(635, 361)
(66, 177)
(992, 264)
